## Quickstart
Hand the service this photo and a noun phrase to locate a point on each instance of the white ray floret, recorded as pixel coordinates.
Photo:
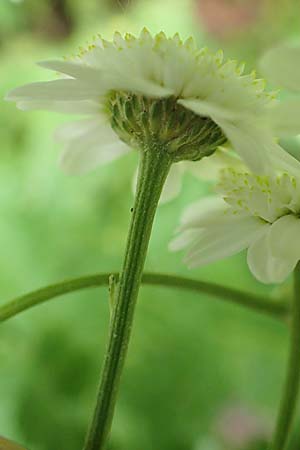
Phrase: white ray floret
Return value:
(260, 213)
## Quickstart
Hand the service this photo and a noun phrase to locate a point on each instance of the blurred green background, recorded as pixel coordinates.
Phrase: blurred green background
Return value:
(196, 365)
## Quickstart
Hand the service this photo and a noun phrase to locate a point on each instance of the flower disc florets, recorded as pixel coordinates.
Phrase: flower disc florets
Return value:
(266, 197)
(144, 123)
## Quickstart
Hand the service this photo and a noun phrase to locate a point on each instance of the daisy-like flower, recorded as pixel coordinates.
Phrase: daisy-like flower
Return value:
(132, 89)
(260, 213)
(281, 65)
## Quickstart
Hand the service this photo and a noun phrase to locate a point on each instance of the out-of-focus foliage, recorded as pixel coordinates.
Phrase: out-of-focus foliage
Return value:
(248, 27)
(190, 355)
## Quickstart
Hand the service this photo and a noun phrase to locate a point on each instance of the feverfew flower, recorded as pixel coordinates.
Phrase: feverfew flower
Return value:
(133, 88)
(258, 212)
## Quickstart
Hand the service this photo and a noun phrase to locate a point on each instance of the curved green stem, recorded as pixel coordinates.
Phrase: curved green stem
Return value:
(154, 167)
(291, 389)
(278, 309)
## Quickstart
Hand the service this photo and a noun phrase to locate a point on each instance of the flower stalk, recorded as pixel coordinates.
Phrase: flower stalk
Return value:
(278, 309)
(154, 167)
(288, 403)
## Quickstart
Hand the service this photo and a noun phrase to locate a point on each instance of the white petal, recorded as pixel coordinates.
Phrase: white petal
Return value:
(205, 108)
(285, 238)
(73, 69)
(204, 212)
(136, 84)
(260, 260)
(173, 183)
(281, 66)
(108, 80)
(79, 128)
(57, 90)
(183, 240)
(136, 69)
(285, 117)
(273, 256)
(89, 144)
(178, 67)
(281, 159)
(209, 167)
(259, 150)
(223, 239)
(250, 142)
(70, 107)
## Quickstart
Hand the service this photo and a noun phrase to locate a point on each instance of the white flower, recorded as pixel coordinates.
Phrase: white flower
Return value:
(155, 68)
(258, 212)
(281, 65)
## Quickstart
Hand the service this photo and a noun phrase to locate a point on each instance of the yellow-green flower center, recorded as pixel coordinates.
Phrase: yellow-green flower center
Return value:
(142, 122)
(262, 196)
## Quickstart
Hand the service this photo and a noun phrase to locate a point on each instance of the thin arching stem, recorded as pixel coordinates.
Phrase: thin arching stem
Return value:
(278, 309)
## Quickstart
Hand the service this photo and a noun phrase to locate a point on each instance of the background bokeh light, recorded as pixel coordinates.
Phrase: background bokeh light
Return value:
(191, 356)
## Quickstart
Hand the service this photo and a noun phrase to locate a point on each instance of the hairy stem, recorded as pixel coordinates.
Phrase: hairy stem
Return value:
(289, 398)
(154, 168)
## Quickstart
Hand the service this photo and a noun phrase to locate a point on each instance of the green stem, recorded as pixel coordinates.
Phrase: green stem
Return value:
(278, 309)
(111, 290)
(290, 393)
(154, 167)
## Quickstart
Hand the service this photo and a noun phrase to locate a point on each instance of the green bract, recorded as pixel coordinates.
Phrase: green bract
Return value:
(141, 122)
